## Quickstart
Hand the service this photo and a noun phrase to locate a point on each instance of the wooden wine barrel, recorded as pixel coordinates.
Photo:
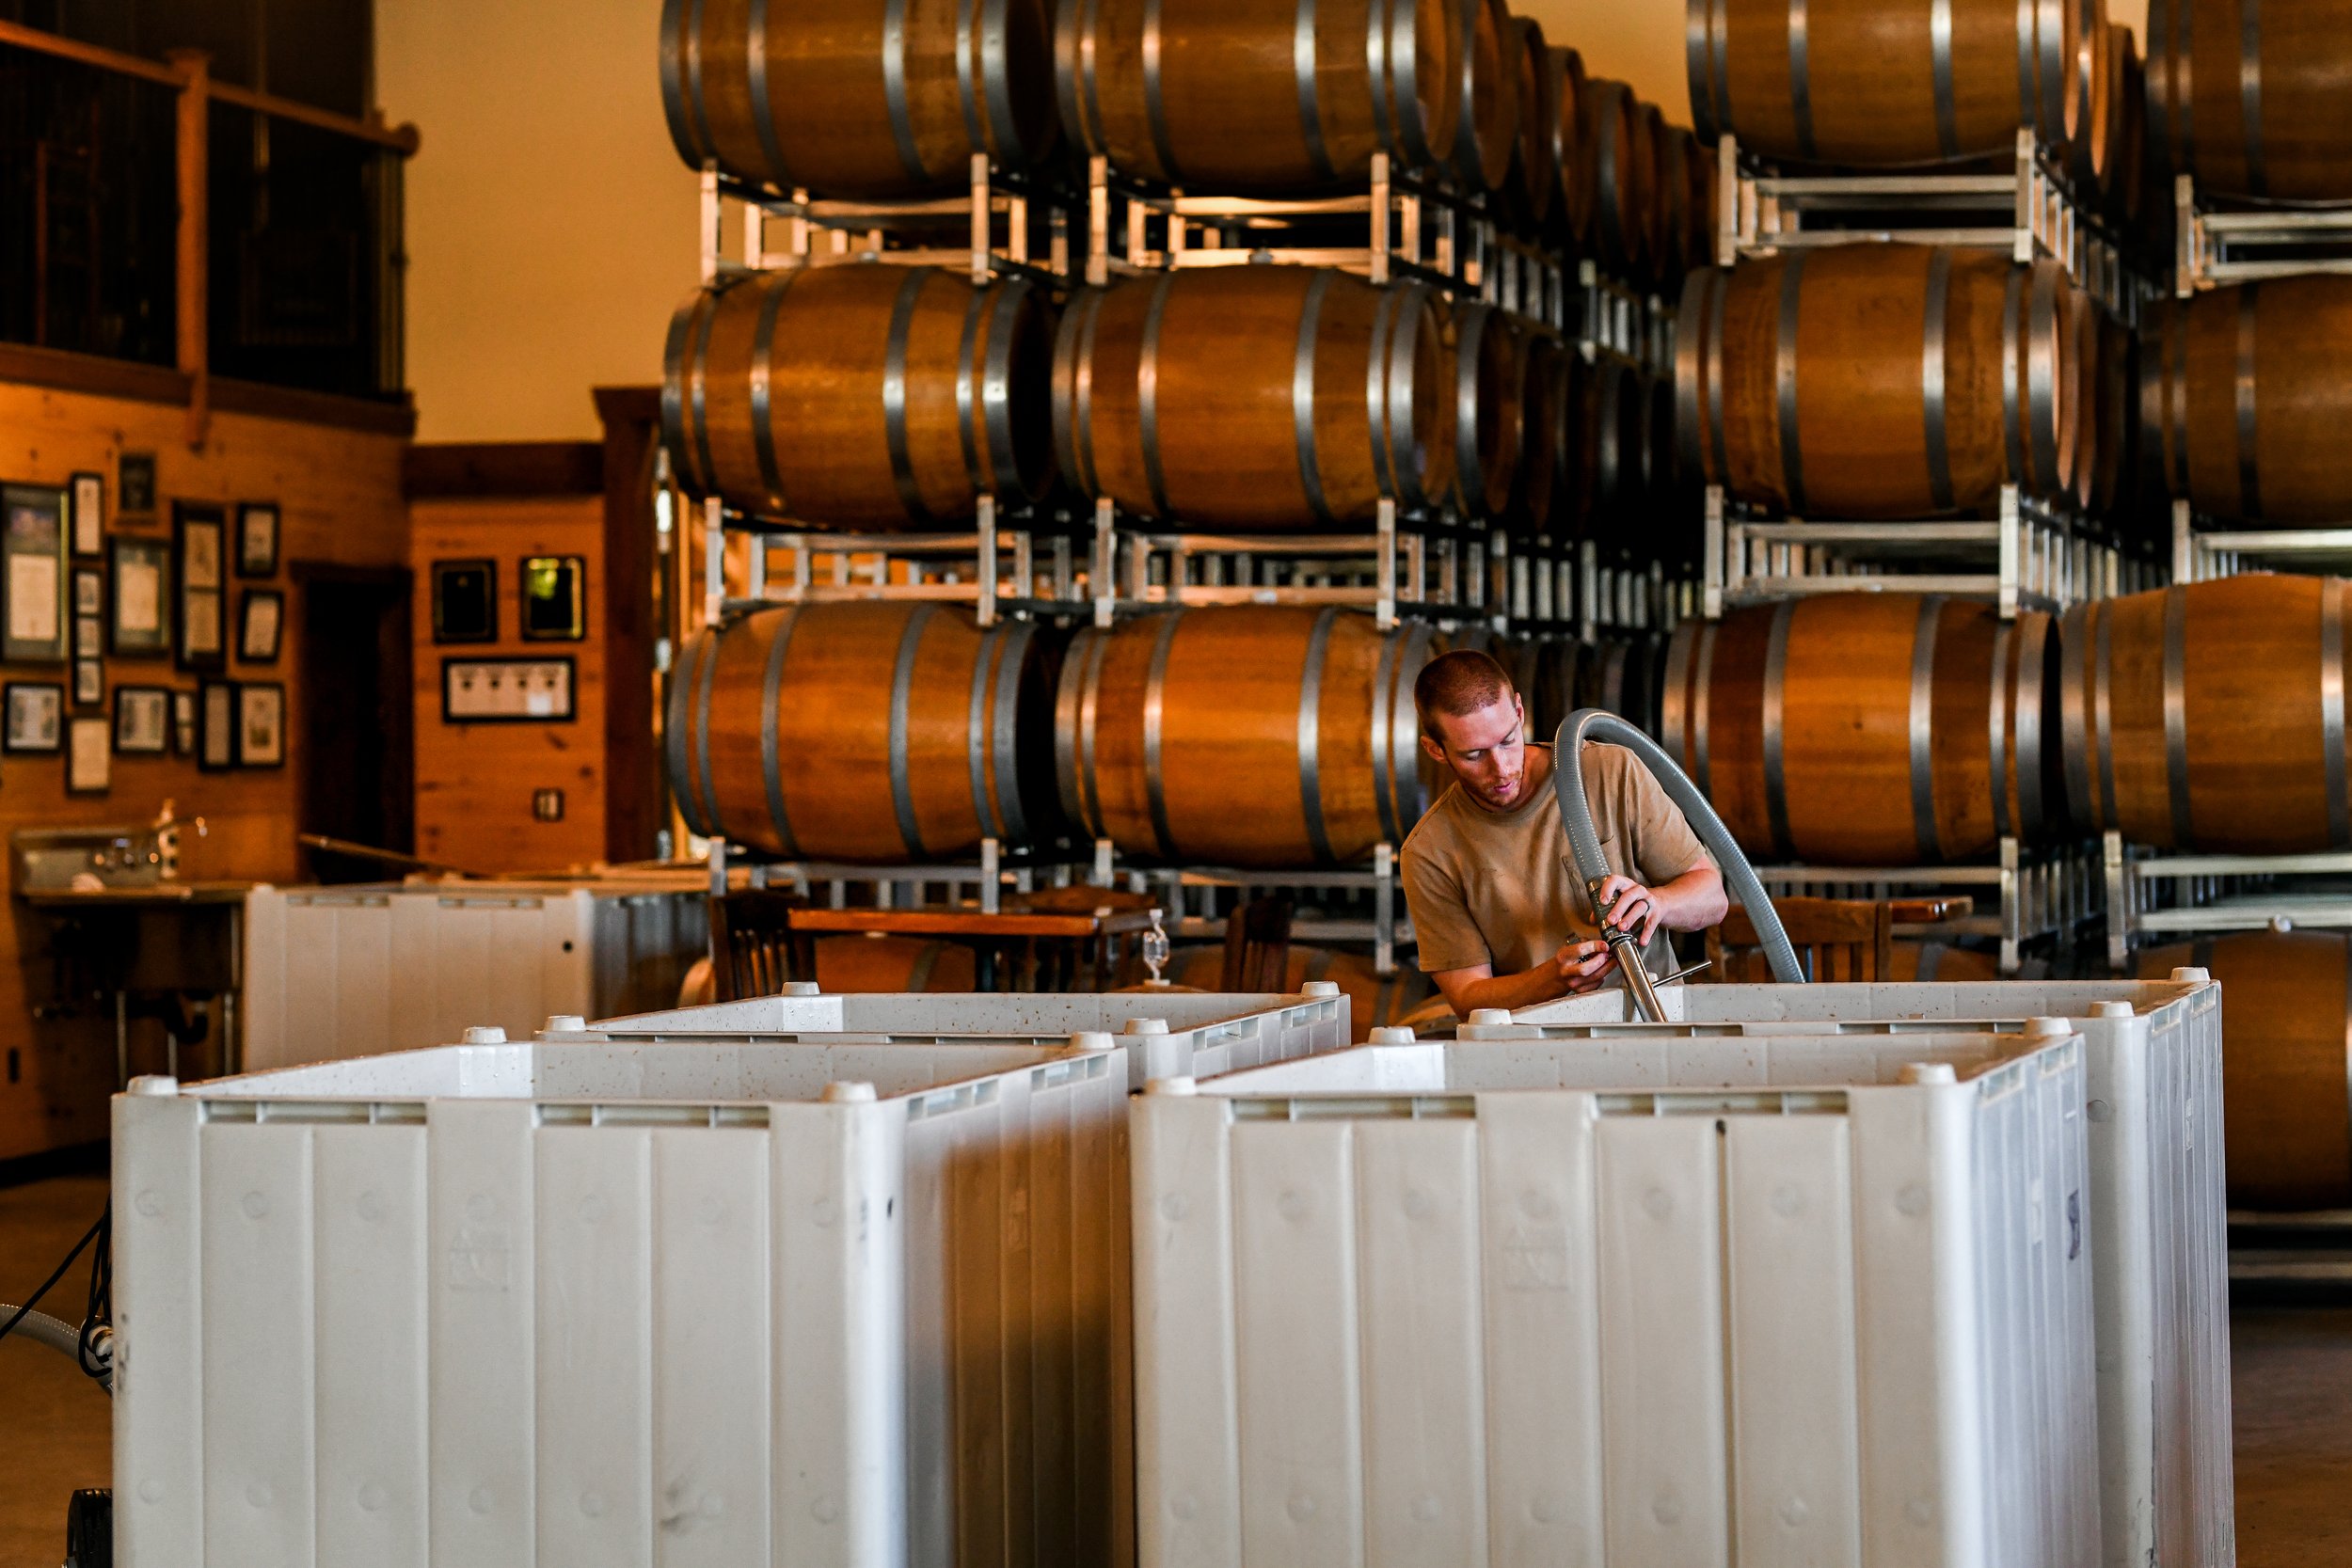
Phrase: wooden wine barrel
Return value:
(1570, 96)
(2115, 418)
(873, 962)
(1241, 97)
(855, 100)
(1534, 180)
(2127, 124)
(1487, 102)
(1550, 680)
(1617, 167)
(1375, 1000)
(1240, 397)
(2250, 98)
(1808, 380)
(1489, 354)
(1680, 239)
(1937, 962)
(1878, 729)
(2286, 1033)
(861, 396)
(1613, 470)
(2244, 398)
(1259, 736)
(881, 731)
(2090, 94)
(1625, 674)
(1906, 82)
(2210, 715)
(2088, 371)
(1544, 432)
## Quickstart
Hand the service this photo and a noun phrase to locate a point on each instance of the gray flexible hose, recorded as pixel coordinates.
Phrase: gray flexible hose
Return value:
(1576, 818)
(43, 1329)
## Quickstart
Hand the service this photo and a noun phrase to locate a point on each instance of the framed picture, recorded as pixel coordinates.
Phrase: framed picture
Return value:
(34, 541)
(89, 514)
(216, 726)
(142, 598)
(89, 591)
(201, 532)
(555, 599)
(261, 725)
(256, 539)
(143, 720)
(261, 618)
(507, 691)
(89, 683)
(183, 724)
(135, 484)
(465, 601)
(88, 757)
(32, 716)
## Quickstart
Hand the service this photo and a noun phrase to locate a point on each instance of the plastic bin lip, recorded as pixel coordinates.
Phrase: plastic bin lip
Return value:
(1006, 1015)
(1954, 1001)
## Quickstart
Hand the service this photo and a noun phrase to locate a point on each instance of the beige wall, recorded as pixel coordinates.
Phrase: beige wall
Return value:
(550, 223)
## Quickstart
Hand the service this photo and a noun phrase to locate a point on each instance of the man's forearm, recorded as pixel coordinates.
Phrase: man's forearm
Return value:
(1526, 988)
(1694, 900)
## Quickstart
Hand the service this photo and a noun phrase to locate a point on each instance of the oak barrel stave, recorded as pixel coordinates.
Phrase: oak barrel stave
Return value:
(2250, 98)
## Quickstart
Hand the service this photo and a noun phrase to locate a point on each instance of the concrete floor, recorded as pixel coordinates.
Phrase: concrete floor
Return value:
(2292, 1375)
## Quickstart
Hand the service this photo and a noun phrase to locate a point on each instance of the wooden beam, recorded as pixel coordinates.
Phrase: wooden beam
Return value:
(27, 365)
(634, 808)
(465, 468)
(194, 293)
(302, 407)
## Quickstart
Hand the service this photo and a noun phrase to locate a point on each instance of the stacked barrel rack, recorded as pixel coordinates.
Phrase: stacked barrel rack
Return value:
(1466, 218)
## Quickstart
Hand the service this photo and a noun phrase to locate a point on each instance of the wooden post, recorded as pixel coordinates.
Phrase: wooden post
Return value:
(194, 293)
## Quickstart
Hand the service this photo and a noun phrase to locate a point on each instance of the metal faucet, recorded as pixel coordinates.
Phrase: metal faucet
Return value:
(166, 826)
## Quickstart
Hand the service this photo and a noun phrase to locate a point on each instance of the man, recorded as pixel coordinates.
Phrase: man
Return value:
(1498, 909)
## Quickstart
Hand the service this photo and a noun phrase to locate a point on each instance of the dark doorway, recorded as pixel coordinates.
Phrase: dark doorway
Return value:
(356, 717)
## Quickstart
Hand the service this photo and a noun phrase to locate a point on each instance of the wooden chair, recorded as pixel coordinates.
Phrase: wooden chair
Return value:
(754, 949)
(1258, 946)
(1835, 939)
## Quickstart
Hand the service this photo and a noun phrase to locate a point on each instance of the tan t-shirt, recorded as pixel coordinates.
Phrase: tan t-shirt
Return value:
(1500, 888)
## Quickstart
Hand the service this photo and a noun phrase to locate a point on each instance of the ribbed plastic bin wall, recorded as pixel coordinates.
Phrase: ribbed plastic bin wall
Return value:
(2159, 1242)
(1429, 1312)
(492, 1305)
(344, 972)
(1164, 1033)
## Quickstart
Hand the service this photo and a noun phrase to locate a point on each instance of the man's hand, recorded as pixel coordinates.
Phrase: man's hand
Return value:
(1581, 966)
(1632, 902)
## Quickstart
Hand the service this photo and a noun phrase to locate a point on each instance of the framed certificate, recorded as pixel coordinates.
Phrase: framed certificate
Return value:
(141, 611)
(34, 541)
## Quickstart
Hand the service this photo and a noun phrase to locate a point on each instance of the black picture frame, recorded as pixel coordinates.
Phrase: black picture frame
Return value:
(466, 600)
(139, 597)
(45, 736)
(135, 485)
(262, 724)
(551, 598)
(261, 618)
(89, 754)
(200, 569)
(135, 704)
(216, 726)
(89, 684)
(35, 530)
(472, 691)
(256, 539)
(182, 722)
(88, 499)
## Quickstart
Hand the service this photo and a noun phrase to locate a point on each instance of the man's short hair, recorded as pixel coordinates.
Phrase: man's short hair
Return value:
(1458, 683)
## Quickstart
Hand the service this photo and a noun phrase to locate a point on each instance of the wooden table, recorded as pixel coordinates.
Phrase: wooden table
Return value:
(1041, 949)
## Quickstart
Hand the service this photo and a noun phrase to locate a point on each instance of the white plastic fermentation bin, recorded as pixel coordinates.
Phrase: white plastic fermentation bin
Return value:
(332, 973)
(490, 1305)
(1406, 1305)
(2159, 1242)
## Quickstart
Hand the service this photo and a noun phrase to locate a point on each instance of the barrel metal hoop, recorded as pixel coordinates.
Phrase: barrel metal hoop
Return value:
(702, 735)
(2032, 656)
(763, 390)
(763, 103)
(1673, 704)
(2103, 720)
(2176, 712)
(2053, 71)
(1089, 44)
(1154, 726)
(1691, 358)
(2176, 399)
(1383, 715)
(1002, 132)
(1004, 729)
(1940, 45)
(770, 749)
(1412, 131)
(1775, 672)
(2331, 709)
(2028, 25)
(673, 375)
(681, 709)
(1376, 73)
(1923, 728)
(2249, 86)
(894, 63)
(1785, 375)
(1089, 714)
(1074, 419)
(1702, 697)
(2012, 417)
(1698, 65)
(1303, 388)
(1068, 694)
(697, 103)
(1470, 341)
(1311, 736)
(976, 725)
(700, 393)
(895, 395)
(1403, 337)
(2183, 96)
(673, 109)
(1303, 72)
(1997, 724)
(2041, 377)
(1376, 389)
(2248, 471)
(1932, 366)
(967, 94)
(1721, 289)
(1148, 389)
(1003, 462)
(968, 398)
(2074, 640)
(1800, 79)
(1154, 114)
(901, 701)
(1719, 26)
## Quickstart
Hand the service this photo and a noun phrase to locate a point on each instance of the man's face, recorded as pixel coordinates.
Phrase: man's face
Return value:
(1487, 749)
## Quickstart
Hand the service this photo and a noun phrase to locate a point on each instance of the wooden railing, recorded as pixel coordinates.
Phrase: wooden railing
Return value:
(188, 72)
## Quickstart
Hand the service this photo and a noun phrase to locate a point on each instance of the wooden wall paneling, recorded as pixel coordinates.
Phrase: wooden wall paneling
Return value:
(634, 813)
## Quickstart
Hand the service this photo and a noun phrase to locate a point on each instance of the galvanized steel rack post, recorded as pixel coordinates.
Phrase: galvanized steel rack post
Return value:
(1190, 894)
(1018, 225)
(974, 883)
(2247, 241)
(2041, 895)
(2202, 550)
